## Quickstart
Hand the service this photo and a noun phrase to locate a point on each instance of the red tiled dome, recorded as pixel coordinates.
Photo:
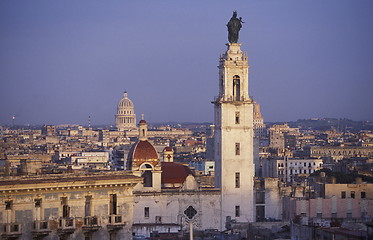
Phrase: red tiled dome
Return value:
(142, 151)
(142, 121)
(174, 172)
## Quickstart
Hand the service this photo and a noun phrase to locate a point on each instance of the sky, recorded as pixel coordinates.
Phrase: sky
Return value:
(62, 61)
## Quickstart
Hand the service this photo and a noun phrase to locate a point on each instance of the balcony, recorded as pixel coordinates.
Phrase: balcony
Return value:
(11, 231)
(223, 98)
(116, 222)
(91, 224)
(66, 226)
(40, 229)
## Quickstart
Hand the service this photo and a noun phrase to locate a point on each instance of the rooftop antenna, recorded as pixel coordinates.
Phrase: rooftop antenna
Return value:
(89, 121)
(13, 120)
(142, 116)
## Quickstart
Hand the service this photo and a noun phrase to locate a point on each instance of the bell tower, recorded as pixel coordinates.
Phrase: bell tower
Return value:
(233, 139)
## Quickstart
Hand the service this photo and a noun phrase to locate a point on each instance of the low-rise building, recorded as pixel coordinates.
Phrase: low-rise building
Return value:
(94, 206)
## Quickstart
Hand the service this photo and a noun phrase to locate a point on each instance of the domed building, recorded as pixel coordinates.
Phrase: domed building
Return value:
(125, 119)
(144, 162)
(168, 191)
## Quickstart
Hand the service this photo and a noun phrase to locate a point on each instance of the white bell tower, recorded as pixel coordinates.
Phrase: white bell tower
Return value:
(234, 160)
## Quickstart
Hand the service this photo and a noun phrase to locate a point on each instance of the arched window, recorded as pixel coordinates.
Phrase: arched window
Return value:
(147, 175)
(236, 88)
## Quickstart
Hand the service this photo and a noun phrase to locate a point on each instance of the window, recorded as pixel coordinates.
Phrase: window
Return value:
(237, 211)
(362, 195)
(349, 215)
(334, 215)
(8, 205)
(158, 219)
(38, 202)
(65, 207)
(237, 180)
(343, 194)
(146, 212)
(237, 118)
(236, 88)
(352, 194)
(87, 206)
(319, 215)
(237, 149)
(113, 204)
(148, 178)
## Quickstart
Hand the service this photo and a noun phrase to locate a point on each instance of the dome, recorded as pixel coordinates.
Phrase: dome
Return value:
(141, 152)
(142, 121)
(125, 119)
(125, 102)
(174, 173)
(168, 149)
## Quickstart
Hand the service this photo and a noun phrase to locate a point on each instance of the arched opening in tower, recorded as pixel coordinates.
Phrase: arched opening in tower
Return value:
(236, 88)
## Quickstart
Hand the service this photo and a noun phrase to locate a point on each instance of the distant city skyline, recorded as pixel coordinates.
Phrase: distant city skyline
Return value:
(63, 61)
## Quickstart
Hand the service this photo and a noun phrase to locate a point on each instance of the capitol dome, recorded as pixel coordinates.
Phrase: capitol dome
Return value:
(125, 119)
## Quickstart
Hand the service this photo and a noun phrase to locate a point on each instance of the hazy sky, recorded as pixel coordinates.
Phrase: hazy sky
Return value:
(62, 61)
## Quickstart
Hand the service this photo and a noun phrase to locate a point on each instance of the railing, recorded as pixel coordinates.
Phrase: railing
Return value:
(115, 219)
(11, 228)
(41, 225)
(91, 221)
(231, 98)
(67, 223)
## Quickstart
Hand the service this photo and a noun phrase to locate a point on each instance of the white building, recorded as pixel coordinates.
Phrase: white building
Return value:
(169, 198)
(125, 119)
(94, 159)
(234, 169)
(259, 125)
(287, 169)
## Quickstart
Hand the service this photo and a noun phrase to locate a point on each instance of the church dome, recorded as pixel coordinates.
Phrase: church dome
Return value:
(174, 173)
(141, 152)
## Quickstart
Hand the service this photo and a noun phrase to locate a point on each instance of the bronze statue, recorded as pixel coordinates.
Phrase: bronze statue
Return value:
(234, 25)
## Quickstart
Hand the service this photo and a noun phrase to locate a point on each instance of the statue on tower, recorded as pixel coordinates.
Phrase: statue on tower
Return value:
(234, 25)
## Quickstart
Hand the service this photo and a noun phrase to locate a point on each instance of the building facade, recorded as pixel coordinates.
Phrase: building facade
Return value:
(260, 130)
(233, 142)
(67, 206)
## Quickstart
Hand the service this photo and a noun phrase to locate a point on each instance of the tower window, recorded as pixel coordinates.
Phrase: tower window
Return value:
(237, 211)
(237, 180)
(237, 148)
(236, 88)
(237, 118)
(146, 212)
(343, 194)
